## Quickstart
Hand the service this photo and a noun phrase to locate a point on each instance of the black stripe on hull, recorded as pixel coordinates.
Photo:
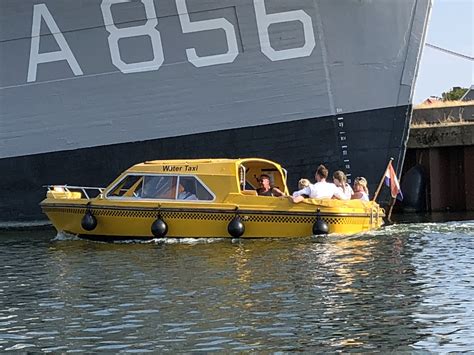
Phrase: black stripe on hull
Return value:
(370, 139)
(197, 213)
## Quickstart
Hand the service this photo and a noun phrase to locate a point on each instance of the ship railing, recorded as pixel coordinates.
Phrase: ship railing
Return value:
(87, 191)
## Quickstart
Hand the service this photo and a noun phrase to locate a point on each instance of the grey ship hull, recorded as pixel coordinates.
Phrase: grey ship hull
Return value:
(319, 82)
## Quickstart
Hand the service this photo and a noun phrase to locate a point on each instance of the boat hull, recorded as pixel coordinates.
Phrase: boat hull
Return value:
(119, 222)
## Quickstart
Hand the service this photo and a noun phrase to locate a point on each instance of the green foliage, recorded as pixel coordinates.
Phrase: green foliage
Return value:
(456, 93)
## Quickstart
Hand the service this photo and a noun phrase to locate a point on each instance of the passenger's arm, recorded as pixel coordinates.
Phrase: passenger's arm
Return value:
(305, 191)
(297, 199)
(338, 195)
(277, 192)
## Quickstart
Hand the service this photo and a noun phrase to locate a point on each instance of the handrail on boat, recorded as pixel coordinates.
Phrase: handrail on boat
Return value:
(68, 188)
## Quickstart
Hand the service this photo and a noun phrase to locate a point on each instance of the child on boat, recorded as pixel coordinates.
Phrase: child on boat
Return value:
(361, 191)
(303, 183)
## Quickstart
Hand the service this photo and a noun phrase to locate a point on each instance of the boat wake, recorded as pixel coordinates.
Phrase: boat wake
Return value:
(444, 228)
(187, 240)
(167, 241)
(62, 236)
(30, 225)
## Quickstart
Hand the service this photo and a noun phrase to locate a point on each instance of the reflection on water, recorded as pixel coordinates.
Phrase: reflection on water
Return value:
(405, 287)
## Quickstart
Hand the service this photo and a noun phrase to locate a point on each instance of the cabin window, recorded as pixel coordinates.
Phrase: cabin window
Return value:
(159, 187)
(245, 184)
(190, 188)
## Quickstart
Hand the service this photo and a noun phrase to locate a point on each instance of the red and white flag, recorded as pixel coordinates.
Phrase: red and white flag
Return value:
(392, 182)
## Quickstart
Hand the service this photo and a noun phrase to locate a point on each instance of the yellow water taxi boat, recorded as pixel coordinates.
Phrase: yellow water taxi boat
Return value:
(200, 198)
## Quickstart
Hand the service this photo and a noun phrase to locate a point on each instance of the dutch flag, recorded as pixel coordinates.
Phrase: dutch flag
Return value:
(392, 182)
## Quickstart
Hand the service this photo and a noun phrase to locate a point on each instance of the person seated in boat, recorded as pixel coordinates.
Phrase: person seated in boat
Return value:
(321, 189)
(340, 180)
(361, 191)
(185, 195)
(266, 189)
(302, 184)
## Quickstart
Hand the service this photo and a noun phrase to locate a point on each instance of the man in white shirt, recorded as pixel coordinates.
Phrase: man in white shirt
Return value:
(321, 189)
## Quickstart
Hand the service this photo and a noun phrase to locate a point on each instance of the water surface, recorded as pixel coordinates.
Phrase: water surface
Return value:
(407, 287)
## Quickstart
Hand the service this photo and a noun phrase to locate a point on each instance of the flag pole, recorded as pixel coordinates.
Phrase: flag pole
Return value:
(381, 181)
(391, 209)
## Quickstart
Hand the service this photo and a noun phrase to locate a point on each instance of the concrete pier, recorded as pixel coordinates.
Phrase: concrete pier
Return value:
(451, 113)
(445, 153)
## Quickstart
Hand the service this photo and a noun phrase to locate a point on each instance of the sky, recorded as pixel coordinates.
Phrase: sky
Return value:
(451, 27)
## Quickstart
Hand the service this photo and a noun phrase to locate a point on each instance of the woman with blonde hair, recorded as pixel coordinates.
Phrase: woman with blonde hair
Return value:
(340, 180)
(361, 191)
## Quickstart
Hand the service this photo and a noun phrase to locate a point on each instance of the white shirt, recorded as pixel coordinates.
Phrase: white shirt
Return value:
(364, 197)
(319, 190)
(185, 195)
(347, 195)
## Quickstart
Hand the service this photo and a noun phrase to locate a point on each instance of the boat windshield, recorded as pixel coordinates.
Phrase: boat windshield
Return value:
(127, 186)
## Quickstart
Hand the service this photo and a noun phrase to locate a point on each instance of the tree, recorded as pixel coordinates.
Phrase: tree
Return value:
(456, 93)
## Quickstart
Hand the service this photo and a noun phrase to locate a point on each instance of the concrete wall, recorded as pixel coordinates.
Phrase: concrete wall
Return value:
(441, 136)
(440, 114)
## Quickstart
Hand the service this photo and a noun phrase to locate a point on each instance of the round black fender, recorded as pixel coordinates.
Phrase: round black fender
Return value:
(414, 189)
(88, 221)
(320, 227)
(159, 228)
(235, 227)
